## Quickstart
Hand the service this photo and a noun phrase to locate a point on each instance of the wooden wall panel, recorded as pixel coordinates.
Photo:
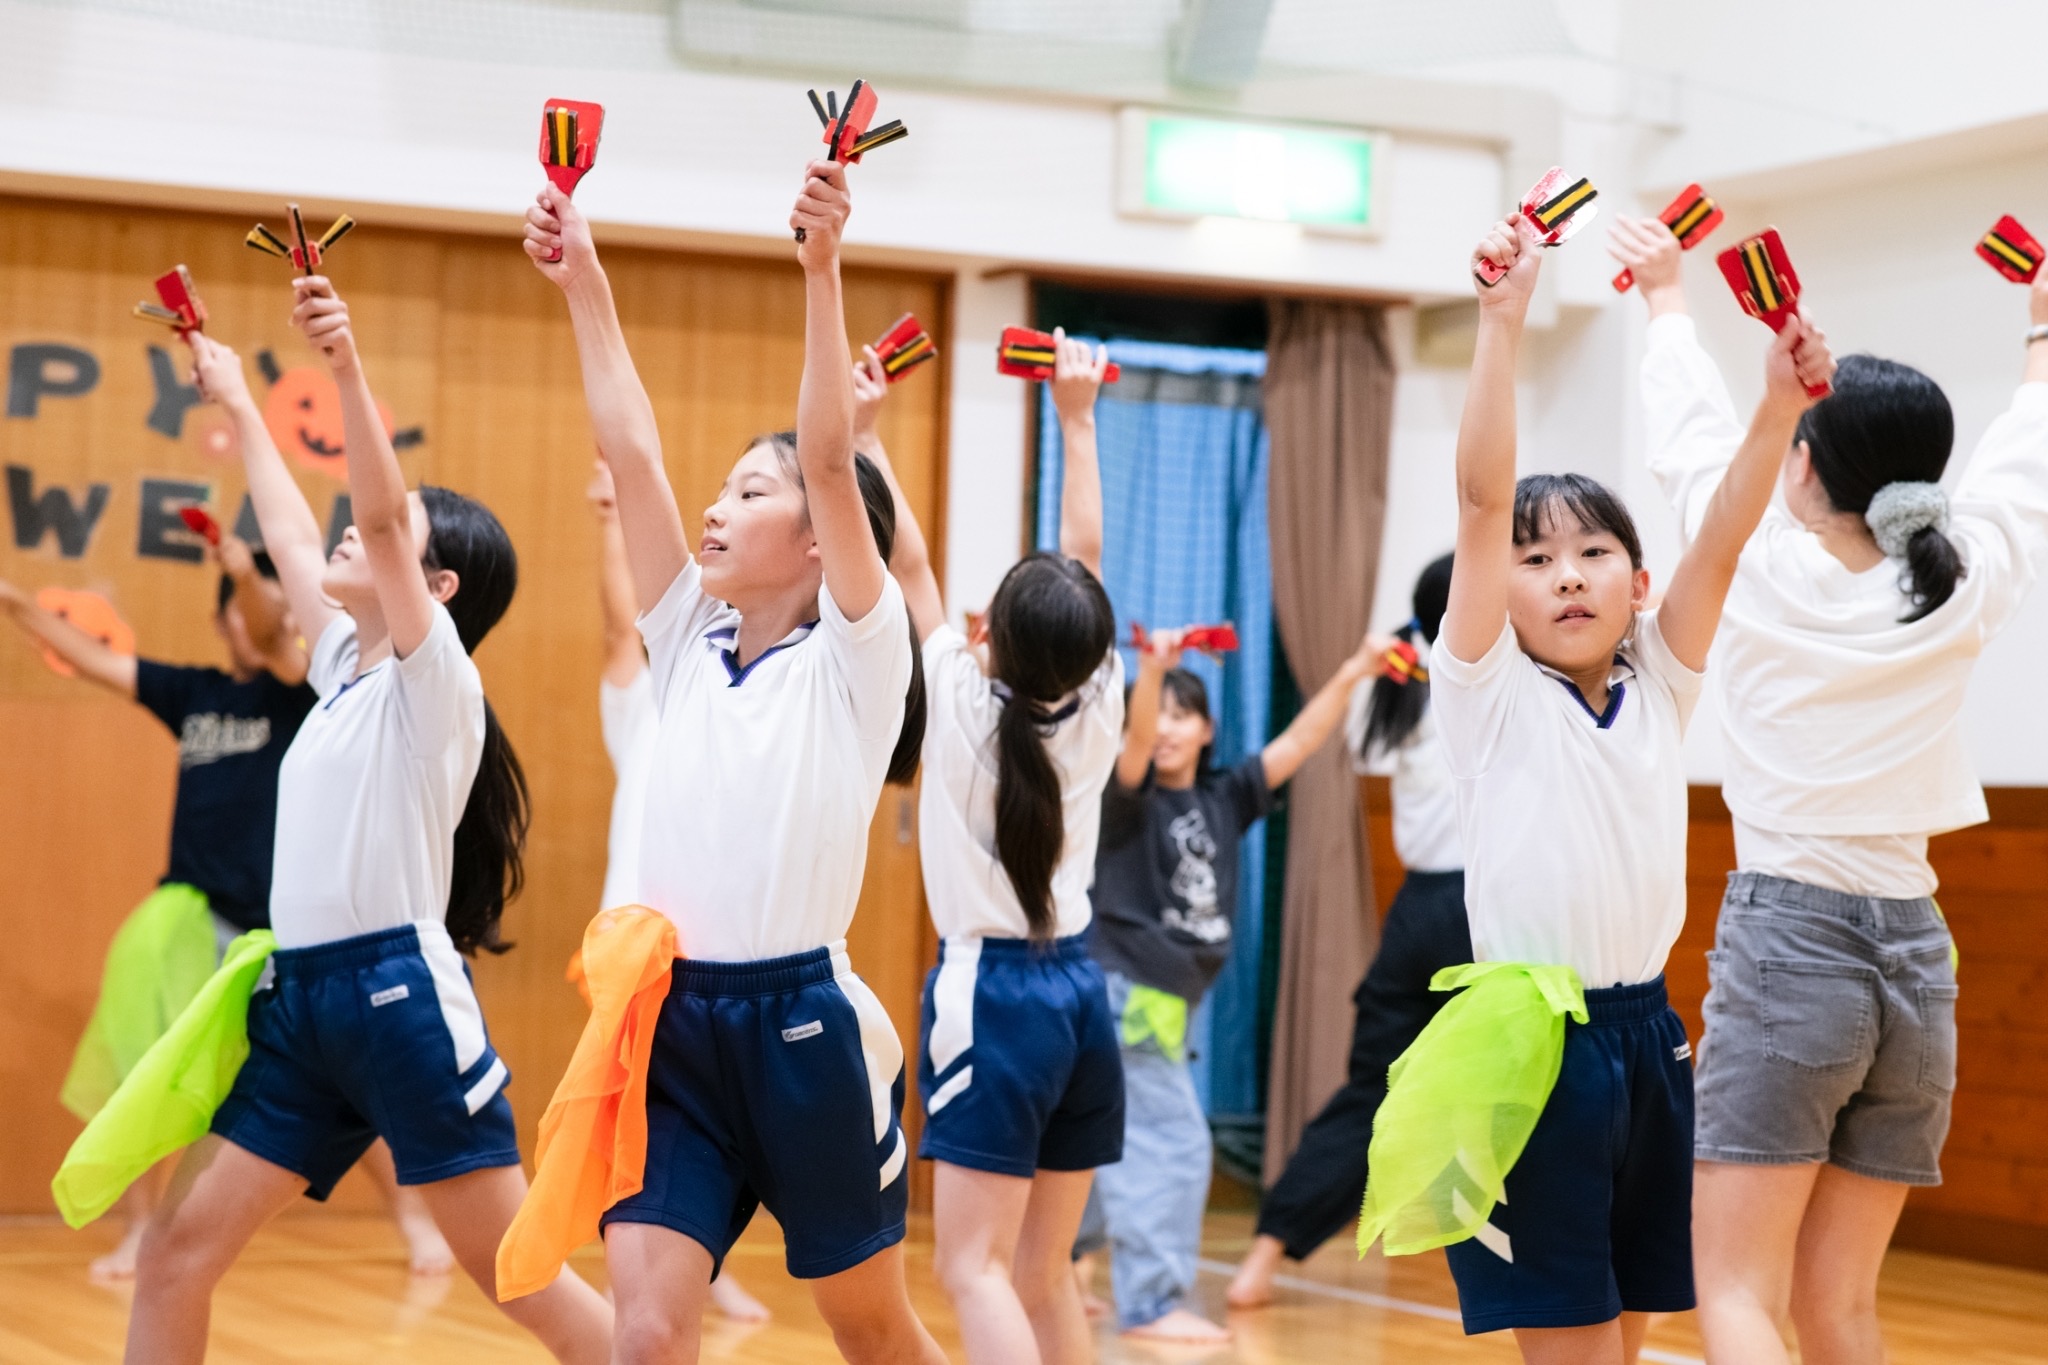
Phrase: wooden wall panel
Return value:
(464, 340)
(1993, 1204)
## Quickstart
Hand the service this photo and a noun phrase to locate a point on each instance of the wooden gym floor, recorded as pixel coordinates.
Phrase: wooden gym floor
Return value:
(328, 1286)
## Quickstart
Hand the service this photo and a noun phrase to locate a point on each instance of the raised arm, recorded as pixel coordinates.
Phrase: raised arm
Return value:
(854, 572)
(93, 660)
(1076, 379)
(624, 655)
(291, 535)
(1486, 448)
(268, 623)
(1314, 723)
(621, 416)
(1654, 257)
(1689, 421)
(911, 559)
(1160, 656)
(376, 485)
(1691, 610)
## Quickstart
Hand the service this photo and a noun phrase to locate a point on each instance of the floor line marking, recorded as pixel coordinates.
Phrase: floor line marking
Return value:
(1410, 1306)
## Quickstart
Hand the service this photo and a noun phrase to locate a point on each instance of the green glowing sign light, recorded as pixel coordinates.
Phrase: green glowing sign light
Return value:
(1197, 168)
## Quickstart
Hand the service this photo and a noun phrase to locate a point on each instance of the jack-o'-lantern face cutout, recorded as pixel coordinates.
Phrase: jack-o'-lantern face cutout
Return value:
(303, 416)
(91, 613)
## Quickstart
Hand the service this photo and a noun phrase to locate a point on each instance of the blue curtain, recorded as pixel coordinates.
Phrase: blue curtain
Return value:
(1183, 447)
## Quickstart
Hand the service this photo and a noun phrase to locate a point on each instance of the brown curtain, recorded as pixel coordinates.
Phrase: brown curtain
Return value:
(1329, 398)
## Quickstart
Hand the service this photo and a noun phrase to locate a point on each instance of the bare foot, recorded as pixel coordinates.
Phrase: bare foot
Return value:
(1181, 1326)
(425, 1244)
(118, 1264)
(1092, 1303)
(732, 1300)
(1253, 1287)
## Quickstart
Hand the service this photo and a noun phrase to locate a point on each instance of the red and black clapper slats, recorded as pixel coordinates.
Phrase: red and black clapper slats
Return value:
(1028, 354)
(2012, 250)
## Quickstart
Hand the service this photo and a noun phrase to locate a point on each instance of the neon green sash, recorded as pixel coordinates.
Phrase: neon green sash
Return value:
(161, 956)
(168, 1100)
(1158, 1015)
(1462, 1102)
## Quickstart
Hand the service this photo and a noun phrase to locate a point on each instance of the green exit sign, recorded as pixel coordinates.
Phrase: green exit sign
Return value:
(1175, 166)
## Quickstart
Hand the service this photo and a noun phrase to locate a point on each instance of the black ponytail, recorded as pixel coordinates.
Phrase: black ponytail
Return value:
(881, 509)
(489, 868)
(1887, 423)
(490, 843)
(1397, 704)
(1933, 568)
(1050, 626)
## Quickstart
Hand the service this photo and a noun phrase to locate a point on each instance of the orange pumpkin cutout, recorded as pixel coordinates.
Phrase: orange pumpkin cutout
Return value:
(91, 613)
(303, 415)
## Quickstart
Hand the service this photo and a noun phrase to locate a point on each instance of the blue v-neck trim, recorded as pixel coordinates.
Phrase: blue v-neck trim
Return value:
(1601, 719)
(342, 690)
(730, 657)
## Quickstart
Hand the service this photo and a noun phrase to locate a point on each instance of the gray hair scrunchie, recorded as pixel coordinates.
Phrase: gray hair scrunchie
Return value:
(1901, 511)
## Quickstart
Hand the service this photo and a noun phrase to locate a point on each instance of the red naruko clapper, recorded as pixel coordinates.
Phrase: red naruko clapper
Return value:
(1558, 205)
(1029, 355)
(1766, 286)
(1690, 216)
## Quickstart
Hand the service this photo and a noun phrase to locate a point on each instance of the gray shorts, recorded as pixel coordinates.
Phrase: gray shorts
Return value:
(1830, 1032)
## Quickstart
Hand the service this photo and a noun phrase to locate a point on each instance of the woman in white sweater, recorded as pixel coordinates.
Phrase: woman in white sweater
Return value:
(1856, 618)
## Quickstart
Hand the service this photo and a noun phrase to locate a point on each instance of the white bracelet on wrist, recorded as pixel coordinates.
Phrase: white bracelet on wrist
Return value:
(2038, 332)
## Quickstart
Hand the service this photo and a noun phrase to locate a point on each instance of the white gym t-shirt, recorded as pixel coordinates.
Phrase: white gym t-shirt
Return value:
(1842, 724)
(630, 723)
(969, 893)
(1574, 825)
(765, 779)
(1424, 793)
(372, 788)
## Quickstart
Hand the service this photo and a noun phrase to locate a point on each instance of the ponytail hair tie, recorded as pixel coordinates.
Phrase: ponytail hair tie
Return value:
(1900, 511)
(1043, 713)
(1403, 665)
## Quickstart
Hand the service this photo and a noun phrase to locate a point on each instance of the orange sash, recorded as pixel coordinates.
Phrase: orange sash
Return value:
(593, 1138)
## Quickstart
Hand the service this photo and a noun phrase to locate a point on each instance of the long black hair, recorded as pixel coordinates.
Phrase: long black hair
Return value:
(881, 510)
(1397, 704)
(1050, 626)
(1887, 423)
(464, 538)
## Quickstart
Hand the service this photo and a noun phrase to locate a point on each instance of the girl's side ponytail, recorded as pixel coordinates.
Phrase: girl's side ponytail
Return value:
(1398, 703)
(1395, 708)
(490, 845)
(1031, 829)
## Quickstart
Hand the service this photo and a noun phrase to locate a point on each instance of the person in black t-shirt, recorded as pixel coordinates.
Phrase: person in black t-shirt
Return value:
(1164, 897)
(233, 728)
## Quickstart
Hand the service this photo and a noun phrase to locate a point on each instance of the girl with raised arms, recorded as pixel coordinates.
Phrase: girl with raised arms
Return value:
(1855, 623)
(401, 816)
(1018, 1064)
(784, 673)
(1561, 700)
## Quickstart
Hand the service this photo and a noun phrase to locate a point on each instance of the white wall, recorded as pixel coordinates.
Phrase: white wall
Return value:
(101, 98)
